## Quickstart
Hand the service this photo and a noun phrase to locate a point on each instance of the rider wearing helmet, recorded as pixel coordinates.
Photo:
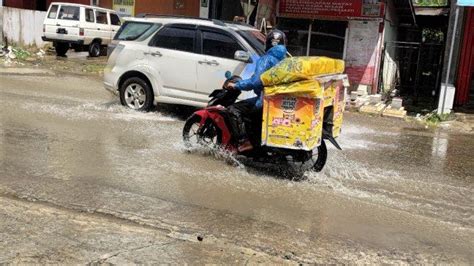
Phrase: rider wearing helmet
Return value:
(275, 48)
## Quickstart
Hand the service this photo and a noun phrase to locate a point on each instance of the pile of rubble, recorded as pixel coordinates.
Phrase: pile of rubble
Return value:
(374, 104)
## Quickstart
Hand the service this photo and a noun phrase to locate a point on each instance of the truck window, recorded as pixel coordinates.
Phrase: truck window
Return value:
(53, 11)
(114, 19)
(90, 15)
(101, 17)
(69, 12)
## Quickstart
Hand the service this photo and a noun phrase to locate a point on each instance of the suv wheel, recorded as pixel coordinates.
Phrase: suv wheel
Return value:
(61, 48)
(94, 49)
(135, 93)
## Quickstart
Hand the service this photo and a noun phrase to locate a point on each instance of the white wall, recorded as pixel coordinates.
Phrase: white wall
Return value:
(23, 27)
(363, 52)
(1, 23)
(204, 10)
(390, 66)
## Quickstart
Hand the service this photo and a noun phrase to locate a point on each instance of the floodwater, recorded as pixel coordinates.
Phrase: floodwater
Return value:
(397, 191)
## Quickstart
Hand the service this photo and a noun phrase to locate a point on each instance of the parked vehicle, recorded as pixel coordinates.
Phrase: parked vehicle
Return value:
(212, 126)
(80, 27)
(178, 60)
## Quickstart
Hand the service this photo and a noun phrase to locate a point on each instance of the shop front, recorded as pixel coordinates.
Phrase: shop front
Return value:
(465, 77)
(345, 29)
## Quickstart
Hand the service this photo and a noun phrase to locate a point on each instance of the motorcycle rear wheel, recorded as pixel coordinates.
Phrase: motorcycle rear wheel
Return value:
(195, 135)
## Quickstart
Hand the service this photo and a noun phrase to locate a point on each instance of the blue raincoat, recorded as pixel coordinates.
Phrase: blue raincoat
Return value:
(264, 63)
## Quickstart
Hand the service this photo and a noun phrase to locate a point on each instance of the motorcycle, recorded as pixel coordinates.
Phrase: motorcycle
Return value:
(212, 126)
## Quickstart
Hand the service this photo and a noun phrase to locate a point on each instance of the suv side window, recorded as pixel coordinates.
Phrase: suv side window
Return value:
(175, 38)
(90, 15)
(114, 19)
(219, 44)
(101, 17)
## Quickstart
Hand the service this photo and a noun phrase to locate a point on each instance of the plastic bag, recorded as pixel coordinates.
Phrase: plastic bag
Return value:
(296, 69)
(305, 88)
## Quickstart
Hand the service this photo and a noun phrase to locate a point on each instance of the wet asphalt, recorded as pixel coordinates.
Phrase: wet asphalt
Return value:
(397, 193)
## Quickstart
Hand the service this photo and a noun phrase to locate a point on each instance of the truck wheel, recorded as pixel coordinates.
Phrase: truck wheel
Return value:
(61, 49)
(94, 49)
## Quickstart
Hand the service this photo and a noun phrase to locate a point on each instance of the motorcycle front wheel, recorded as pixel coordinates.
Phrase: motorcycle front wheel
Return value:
(195, 134)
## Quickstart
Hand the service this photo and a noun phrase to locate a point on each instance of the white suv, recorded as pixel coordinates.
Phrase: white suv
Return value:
(79, 26)
(178, 60)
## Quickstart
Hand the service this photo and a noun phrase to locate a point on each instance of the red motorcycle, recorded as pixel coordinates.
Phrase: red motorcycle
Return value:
(212, 126)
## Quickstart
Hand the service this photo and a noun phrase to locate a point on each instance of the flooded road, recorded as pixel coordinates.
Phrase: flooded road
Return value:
(397, 193)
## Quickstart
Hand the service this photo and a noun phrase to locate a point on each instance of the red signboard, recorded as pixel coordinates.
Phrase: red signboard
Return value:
(312, 9)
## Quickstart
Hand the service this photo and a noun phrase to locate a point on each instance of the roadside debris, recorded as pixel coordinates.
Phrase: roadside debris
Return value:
(40, 53)
(15, 55)
(375, 104)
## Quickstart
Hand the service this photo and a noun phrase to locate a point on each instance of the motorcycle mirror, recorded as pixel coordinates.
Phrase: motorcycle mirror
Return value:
(228, 75)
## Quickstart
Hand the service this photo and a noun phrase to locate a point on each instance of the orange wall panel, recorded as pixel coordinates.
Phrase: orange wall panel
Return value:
(106, 3)
(167, 7)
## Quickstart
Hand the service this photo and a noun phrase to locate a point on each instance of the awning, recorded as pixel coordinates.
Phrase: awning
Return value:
(431, 11)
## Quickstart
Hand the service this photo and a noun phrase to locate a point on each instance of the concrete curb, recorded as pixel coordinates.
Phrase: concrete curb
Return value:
(25, 71)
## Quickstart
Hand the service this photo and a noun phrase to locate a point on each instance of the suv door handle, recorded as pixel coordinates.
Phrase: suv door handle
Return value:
(154, 54)
(207, 62)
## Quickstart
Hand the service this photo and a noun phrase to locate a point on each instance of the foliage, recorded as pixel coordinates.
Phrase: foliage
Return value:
(21, 54)
(432, 35)
(430, 3)
(434, 118)
(94, 68)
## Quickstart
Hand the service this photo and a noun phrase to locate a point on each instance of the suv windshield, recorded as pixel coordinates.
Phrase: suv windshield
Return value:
(255, 38)
(131, 31)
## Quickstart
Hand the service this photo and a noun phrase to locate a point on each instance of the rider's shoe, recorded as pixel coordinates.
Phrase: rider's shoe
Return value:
(245, 146)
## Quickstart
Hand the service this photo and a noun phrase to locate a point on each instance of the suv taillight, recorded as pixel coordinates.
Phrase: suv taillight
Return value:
(44, 28)
(81, 31)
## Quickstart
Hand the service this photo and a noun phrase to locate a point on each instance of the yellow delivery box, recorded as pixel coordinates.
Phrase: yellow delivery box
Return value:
(298, 92)
(334, 96)
(293, 121)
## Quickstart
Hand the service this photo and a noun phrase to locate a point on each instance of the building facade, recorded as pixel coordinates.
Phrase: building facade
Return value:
(123, 7)
(42, 5)
(465, 69)
(352, 30)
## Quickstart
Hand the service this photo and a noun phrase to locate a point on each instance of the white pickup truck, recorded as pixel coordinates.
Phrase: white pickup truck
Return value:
(80, 27)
